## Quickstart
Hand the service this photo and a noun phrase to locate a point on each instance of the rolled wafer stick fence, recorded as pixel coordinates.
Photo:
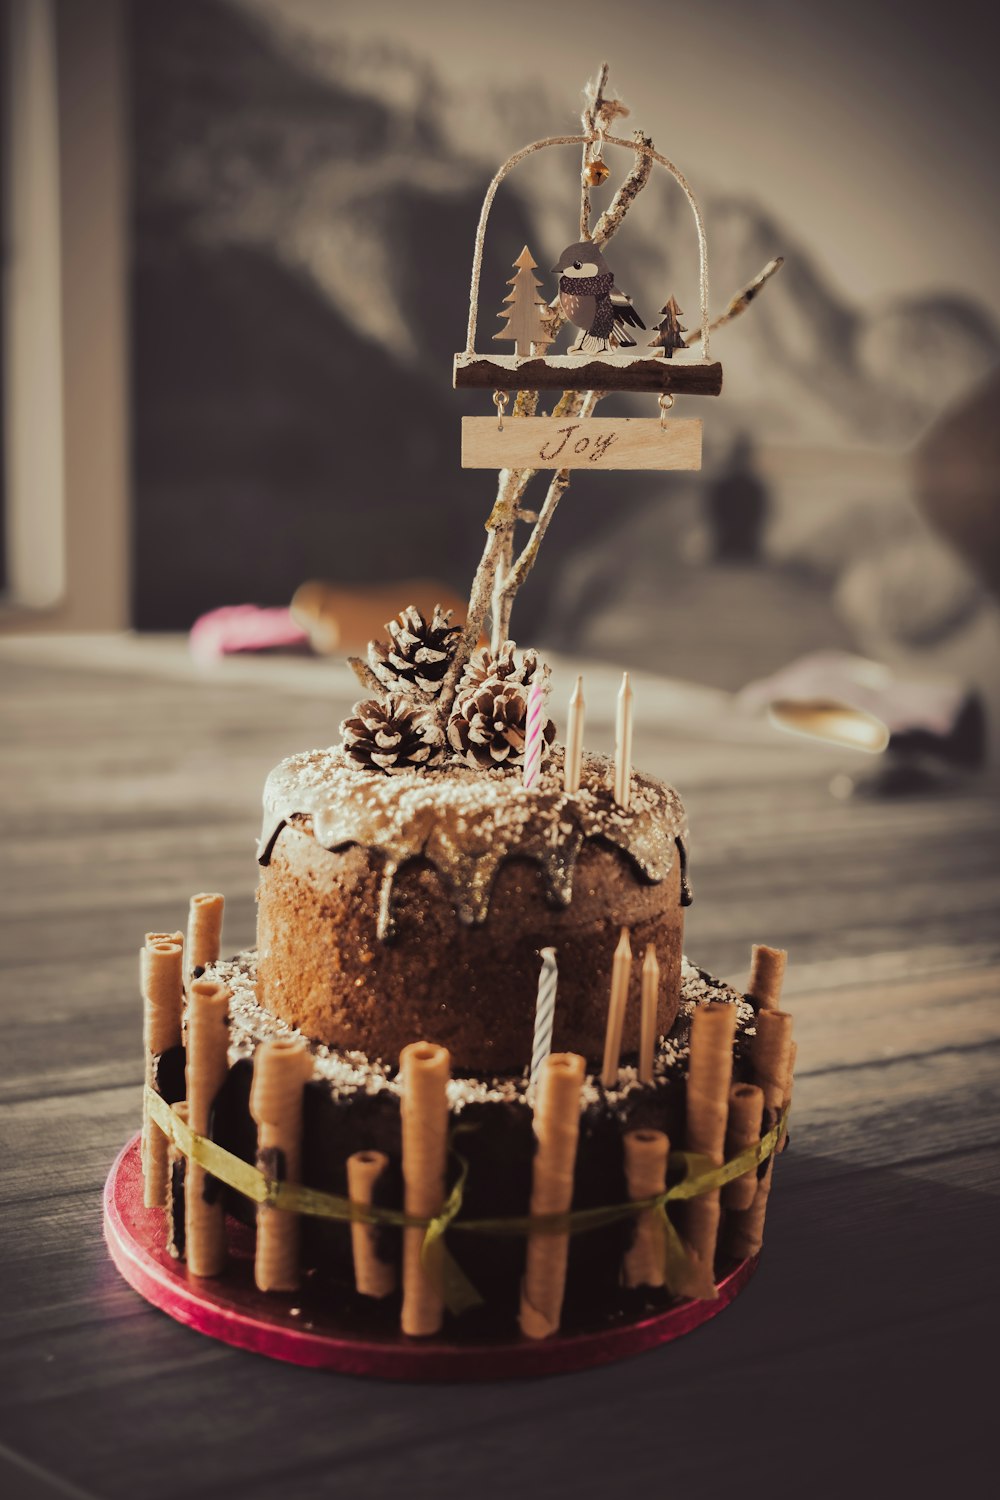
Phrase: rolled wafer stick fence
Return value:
(767, 975)
(700, 1176)
(426, 1069)
(373, 1276)
(557, 1130)
(204, 934)
(657, 1256)
(710, 1071)
(161, 963)
(771, 1061)
(646, 1153)
(206, 1069)
(746, 1115)
(279, 1077)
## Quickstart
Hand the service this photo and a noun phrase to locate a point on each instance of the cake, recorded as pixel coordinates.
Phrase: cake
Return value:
(416, 905)
(466, 1088)
(385, 1044)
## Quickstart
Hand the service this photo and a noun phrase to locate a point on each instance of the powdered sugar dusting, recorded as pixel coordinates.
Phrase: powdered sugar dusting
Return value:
(349, 1073)
(467, 823)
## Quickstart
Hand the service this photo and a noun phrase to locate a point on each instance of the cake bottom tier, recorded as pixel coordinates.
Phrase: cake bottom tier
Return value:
(352, 1105)
(313, 1331)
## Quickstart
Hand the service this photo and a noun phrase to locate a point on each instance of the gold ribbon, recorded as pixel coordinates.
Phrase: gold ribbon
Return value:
(701, 1175)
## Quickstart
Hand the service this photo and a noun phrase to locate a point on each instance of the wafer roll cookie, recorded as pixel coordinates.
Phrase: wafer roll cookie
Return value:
(426, 1069)
(280, 1071)
(557, 1130)
(161, 984)
(204, 934)
(646, 1153)
(770, 1058)
(710, 1071)
(177, 1170)
(164, 937)
(373, 1277)
(207, 1065)
(746, 1112)
(767, 975)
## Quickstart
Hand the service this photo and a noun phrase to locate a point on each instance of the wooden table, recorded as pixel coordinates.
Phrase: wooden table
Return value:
(854, 1363)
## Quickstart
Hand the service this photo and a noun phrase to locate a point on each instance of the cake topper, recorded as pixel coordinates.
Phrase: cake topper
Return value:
(670, 330)
(589, 299)
(527, 441)
(481, 709)
(527, 315)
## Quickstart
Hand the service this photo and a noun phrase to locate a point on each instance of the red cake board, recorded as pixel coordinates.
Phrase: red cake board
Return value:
(233, 1311)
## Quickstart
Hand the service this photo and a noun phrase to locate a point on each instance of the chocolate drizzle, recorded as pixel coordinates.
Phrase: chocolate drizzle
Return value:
(468, 823)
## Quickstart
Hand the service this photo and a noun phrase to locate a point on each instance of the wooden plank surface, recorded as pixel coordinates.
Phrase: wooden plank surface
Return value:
(851, 1366)
(597, 443)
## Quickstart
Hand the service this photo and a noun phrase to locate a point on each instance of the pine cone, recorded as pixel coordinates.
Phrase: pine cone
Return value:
(393, 736)
(417, 653)
(484, 667)
(486, 727)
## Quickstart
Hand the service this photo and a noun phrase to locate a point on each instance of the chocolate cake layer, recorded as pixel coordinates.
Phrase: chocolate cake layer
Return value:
(352, 1104)
(398, 909)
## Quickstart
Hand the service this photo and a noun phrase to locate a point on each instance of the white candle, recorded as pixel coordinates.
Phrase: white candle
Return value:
(623, 743)
(621, 969)
(573, 766)
(534, 725)
(545, 1013)
(647, 1022)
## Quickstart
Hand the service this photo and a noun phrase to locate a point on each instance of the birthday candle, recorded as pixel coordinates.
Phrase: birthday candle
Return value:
(533, 734)
(545, 1012)
(621, 969)
(574, 740)
(647, 1023)
(623, 743)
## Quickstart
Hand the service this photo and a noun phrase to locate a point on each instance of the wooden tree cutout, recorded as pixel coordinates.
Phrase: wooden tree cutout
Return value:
(528, 316)
(670, 330)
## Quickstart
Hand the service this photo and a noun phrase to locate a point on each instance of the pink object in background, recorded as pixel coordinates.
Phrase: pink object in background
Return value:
(245, 627)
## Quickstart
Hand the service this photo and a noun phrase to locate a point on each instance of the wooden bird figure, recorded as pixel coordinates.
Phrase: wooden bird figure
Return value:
(590, 300)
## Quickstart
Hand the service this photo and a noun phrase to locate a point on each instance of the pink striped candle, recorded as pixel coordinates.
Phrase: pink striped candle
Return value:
(533, 735)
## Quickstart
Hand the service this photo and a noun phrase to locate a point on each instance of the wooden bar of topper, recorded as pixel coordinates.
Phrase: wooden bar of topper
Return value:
(593, 443)
(616, 371)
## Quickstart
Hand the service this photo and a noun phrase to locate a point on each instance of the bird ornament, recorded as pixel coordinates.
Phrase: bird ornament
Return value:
(590, 301)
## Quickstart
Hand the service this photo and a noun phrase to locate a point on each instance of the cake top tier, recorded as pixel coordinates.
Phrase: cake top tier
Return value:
(467, 823)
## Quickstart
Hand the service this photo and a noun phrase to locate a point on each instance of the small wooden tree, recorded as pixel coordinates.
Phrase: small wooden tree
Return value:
(527, 315)
(670, 330)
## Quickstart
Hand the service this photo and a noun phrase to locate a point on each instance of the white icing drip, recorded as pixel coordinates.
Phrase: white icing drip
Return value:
(467, 823)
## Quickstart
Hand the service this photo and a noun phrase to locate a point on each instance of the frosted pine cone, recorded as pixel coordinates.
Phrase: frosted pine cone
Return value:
(506, 666)
(486, 728)
(417, 653)
(393, 736)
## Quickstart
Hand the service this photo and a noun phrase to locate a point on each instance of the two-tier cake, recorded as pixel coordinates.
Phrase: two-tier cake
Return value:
(466, 1084)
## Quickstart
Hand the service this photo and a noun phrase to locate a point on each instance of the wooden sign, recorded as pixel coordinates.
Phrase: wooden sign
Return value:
(587, 443)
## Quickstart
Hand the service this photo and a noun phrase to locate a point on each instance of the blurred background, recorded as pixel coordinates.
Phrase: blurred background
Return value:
(237, 238)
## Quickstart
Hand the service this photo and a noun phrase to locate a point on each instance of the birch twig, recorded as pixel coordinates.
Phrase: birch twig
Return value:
(611, 219)
(742, 299)
(594, 97)
(558, 485)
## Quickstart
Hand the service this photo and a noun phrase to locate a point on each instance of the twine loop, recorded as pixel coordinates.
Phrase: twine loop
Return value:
(599, 135)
